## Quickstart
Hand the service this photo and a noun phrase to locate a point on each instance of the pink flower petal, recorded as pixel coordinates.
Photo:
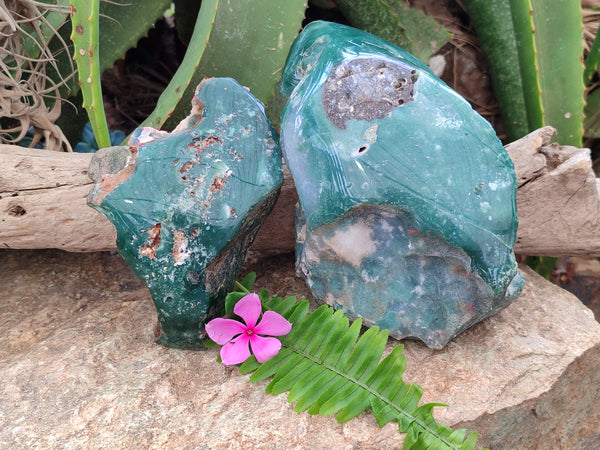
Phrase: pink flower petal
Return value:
(236, 351)
(272, 324)
(249, 309)
(264, 348)
(223, 330)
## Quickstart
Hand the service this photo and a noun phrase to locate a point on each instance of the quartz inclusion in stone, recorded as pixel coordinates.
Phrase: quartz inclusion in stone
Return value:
(407, 199)
(187, 205)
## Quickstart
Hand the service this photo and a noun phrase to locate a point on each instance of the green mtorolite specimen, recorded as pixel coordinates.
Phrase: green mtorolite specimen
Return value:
(407, 211)
(187, 205)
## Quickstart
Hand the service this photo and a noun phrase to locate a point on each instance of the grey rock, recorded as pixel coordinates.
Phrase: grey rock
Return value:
(80, 369)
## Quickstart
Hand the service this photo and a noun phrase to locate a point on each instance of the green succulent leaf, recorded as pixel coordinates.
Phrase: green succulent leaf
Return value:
(534, 68)
(592, 61)
(523, 25)
(182, 82)
(47, 24)
(85, 36)
(559, 66)
(395, 22)
(328, 368)
(121, 24)
(493, 22)
(248, 42)
(592, 114)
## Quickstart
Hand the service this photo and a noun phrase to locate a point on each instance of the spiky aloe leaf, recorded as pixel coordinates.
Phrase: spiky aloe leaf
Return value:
(592, 115)
(328, 369)
(394, 21)
(182, 80)
(122, 25)
(85, 36)
(523, 31)
(592, 61)
(493, 22)
(116, 38)
(249, 42)
(533, 64)
(560, 67)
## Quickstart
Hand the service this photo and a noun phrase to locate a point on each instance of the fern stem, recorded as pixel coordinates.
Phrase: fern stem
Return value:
(374, 393)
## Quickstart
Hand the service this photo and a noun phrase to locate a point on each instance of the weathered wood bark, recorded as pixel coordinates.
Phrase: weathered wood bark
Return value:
(558, 197)
(43, 199)
(43, 202)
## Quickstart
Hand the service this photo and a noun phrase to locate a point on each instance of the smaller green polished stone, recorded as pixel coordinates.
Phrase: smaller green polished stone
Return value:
(187, 205)
(407, 198)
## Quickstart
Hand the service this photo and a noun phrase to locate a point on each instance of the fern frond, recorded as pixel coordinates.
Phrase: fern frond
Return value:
(328, 369)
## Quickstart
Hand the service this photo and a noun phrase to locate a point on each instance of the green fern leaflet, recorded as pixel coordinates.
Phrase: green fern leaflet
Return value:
(328, 369)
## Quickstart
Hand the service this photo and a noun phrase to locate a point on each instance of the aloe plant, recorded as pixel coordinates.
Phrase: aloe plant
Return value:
(394, 21)
(85, 37)
(328, 368)
(92, 59)
(536, 71)
(592, 108)
(592, 61)
(255, 49)
(249, 42)
(121, 25)
(182, 79)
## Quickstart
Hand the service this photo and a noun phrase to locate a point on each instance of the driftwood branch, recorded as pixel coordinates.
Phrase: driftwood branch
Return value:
(43, 199)
(558, 197)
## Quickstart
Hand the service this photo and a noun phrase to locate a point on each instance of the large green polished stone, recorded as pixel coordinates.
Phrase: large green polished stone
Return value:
(187, 205)
(407, 211)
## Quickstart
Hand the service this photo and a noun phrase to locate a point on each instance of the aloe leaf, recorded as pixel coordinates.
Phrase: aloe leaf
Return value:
(325, 378)
(493, 23)
(85, 36)
(532, 65)
(182, 82)
(524, 34)
(122, 25)
(592, 61)
(559, 52)
(592, 115)
(186, 21)
(395, 22)
(249, 42)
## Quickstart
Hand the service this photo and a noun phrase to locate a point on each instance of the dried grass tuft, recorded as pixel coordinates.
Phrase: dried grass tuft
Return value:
(28, 96)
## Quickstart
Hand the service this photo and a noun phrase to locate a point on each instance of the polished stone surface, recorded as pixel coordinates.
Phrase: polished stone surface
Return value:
(187, 205)
(407, 198)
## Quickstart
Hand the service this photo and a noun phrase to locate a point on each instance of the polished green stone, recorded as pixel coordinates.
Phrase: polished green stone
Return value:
(187, 205)
(407, 198)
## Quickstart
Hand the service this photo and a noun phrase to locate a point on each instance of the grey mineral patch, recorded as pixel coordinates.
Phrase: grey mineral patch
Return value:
(366, 89)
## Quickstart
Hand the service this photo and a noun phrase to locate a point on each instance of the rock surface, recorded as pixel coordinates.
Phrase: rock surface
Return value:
(407, 198)
(187, 205)
(80, 369)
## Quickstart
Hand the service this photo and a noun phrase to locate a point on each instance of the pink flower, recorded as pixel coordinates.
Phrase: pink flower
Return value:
(236, 337)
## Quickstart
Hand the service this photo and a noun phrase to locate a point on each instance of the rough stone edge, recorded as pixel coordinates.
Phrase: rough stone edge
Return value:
(556, 413)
